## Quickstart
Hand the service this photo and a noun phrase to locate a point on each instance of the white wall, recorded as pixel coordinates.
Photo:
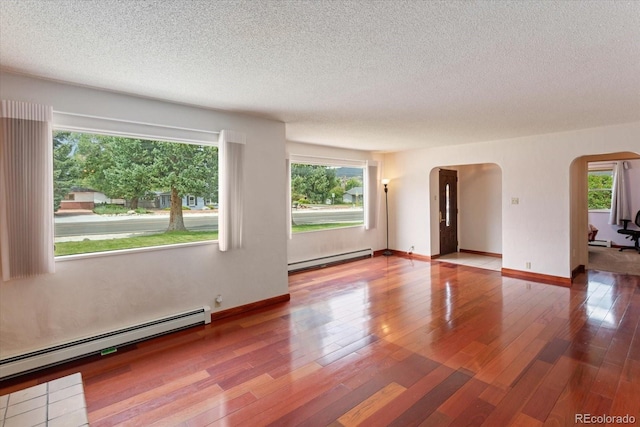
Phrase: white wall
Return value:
(600, 220)
(480, 207)
(535, 169)
(96, 294)
(317, 244)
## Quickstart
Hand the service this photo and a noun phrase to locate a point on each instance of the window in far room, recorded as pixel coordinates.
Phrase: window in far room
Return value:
(326, 196)
(600, 184)
(114, 192)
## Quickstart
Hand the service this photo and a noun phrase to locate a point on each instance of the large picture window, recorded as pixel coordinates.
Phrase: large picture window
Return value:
(113, 192)
(325, 196)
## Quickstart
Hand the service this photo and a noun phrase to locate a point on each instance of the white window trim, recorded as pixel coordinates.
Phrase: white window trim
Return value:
(131, 129)
(326, 161)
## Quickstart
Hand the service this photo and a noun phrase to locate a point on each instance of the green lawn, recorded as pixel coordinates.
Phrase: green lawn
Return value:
(169, 238)
(314, 227)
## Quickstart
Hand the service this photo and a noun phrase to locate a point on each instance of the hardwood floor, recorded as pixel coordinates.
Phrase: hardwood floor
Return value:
(386, 341)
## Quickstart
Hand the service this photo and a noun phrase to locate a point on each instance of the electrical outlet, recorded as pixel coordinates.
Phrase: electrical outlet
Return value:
(528, 265)
(219, 299)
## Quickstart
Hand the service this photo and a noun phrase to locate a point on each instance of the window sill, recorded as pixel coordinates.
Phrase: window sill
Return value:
(63, 258)
(328, 229)
(599, 210)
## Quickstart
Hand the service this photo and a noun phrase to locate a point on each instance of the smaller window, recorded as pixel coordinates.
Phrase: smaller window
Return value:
(325, 196)
(600, 184)
(192, 200)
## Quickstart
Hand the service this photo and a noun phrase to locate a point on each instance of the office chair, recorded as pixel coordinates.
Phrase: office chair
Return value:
(634, 235)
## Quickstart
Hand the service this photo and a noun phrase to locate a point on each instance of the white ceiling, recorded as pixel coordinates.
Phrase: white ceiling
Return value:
(384, 76)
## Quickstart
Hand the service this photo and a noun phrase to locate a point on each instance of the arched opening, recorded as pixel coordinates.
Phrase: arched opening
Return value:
(583, 219)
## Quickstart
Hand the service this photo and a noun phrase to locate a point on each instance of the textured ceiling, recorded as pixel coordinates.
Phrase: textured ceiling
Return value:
(386, 75)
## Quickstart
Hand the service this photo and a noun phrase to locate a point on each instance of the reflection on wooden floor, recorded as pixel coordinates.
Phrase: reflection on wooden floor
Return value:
(387, 341)
(472, 260)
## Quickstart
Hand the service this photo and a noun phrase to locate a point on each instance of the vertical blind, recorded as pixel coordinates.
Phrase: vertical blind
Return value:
(231, 189)
(26, 190)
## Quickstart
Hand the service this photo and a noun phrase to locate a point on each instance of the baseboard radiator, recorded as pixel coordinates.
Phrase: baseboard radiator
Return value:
(101, 344)
(604, 243)
(328, 260)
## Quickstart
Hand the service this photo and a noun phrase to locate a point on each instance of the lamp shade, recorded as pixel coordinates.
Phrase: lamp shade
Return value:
(385, 181)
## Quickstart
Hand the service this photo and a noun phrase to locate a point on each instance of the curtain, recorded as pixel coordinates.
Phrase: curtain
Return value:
(231, 192)
(26, 190)
(371, 198)
(620, 202)
(289, 201)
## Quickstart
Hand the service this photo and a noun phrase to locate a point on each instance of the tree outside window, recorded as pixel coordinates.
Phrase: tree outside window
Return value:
(326, 196)
(600, 184)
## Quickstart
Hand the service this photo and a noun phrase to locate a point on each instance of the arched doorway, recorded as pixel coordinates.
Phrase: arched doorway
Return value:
(582, 219)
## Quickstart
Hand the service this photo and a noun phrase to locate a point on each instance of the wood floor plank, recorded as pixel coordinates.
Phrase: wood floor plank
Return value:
(430, 401)
(626, 401)
(572, 399)
(405, 401)
(518, 396)
(508, 355)
(463, 398)
(384, 341)
(313, 413)
(606, 382)
(184, 406)
(544, 398)
(282, 381)
(371, 405)
(437, 419)
(475, 414)
(520, 364)
(121, 405)
(523, 420)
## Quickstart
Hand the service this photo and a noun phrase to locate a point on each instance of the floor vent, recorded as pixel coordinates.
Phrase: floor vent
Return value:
(329, 260)
(104, 343)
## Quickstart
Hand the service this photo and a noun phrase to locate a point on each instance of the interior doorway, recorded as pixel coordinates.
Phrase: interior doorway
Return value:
(448, 211)
(602, 253)
(475, 208)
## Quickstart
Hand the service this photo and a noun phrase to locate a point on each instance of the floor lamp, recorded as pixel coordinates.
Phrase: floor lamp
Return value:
(385, 182)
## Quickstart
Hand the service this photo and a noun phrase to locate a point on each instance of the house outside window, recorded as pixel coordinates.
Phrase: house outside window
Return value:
(136, 192)
(326, 196)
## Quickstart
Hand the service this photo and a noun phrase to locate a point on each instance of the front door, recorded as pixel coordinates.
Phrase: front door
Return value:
(448, 214)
